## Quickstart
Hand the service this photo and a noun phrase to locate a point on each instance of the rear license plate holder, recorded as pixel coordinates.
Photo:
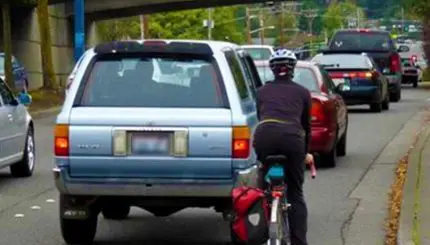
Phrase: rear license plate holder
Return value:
(150, 143)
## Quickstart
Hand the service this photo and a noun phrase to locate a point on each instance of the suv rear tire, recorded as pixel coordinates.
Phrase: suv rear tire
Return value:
(415, 82)
(77, 231)
(397, 95)
(376, 107)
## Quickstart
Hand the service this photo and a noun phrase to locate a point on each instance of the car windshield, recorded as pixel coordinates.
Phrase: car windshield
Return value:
(154, 81)
(361, 41)
(306, 77)
(302, 76)
(343, 61)
(265, 73)
(259, 53)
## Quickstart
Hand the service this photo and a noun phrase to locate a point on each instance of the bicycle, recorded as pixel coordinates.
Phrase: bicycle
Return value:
(279, 205)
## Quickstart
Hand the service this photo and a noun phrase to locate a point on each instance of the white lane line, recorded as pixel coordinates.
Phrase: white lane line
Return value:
(19, 215)
(35, 207)
(50, 200)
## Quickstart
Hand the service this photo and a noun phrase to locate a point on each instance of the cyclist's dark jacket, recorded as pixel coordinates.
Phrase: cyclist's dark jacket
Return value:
(286, 101)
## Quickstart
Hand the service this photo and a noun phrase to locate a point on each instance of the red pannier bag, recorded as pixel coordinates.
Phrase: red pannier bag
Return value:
(251, 216)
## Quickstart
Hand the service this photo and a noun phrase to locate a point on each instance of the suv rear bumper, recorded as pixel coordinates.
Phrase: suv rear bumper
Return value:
(162, 188)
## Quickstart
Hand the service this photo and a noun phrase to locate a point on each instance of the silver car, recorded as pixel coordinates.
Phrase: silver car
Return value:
(16, 133)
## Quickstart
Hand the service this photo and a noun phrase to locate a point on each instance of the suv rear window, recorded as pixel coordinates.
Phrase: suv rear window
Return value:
(153, 81)
(361, 41)
(343, 61)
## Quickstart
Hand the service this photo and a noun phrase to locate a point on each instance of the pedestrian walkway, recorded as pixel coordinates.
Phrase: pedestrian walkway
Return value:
(414, 227)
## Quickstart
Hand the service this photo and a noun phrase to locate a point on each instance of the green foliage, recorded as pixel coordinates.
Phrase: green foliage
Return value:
(420, 8)
(337, 16)
(176, 25)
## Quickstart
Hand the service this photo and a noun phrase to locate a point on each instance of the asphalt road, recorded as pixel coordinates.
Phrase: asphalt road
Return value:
(29, 207)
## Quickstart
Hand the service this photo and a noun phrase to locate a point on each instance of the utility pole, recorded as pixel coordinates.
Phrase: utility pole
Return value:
(311, 14)
(248, 25)
(358, 18)
(261, 26)
(210, 23)
(403, 19)
(282, 24)
(144, 27)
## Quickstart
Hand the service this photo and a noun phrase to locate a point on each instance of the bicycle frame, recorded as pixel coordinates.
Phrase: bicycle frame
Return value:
(279, 204)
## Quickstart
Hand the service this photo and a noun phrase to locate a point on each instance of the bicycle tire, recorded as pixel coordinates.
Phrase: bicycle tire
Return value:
(278, 224)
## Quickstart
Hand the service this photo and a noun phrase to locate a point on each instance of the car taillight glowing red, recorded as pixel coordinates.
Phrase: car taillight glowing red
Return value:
(241, 142)
(61, 140)
(317, 111)
(395, 63)
(360, 74)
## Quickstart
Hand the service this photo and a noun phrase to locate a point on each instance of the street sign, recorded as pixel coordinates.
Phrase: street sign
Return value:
(207, 23)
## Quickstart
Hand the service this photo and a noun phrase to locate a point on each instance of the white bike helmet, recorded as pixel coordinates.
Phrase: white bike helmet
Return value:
(283, 62)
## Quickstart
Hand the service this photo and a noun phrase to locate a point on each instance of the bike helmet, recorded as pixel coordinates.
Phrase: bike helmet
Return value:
(283, 62)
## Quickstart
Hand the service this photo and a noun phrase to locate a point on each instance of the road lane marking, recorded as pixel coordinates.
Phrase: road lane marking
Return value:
(35, 207)
(19, 215)
(50, 200)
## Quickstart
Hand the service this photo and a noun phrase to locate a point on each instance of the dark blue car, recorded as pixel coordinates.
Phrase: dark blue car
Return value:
(19, 72)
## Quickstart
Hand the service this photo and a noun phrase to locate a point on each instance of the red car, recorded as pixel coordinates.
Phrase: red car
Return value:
(329, 111)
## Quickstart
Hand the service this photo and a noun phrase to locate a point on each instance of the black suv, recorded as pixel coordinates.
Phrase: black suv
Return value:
(379, 46)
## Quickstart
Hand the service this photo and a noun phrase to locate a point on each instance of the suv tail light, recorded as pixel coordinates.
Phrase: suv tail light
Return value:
(395, 63)
(414, 59)
(360, 74)
(61, 140)
(241, 142)
(317, 112)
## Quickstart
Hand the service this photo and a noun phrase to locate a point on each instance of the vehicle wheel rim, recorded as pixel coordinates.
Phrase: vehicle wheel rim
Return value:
(30, 152)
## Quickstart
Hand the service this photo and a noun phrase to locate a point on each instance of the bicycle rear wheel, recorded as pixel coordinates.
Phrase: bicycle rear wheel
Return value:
(279, 232)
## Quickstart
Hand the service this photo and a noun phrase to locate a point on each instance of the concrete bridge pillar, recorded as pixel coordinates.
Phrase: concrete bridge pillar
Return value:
(92, 35)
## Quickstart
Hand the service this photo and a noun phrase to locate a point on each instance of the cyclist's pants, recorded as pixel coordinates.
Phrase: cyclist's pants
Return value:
(269, 140)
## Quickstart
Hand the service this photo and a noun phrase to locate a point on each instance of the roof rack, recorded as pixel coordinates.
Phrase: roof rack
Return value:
(154, 46)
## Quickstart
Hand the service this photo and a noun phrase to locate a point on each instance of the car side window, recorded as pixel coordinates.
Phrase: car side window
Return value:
(248, 74)
(238, 76)
(6, 94)
(327, 80)
(254, 71)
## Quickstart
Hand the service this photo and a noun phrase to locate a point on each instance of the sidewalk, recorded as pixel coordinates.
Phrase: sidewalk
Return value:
(414, 226)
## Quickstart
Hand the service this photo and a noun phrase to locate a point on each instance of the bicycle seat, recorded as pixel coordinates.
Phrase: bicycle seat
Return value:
(273, 159)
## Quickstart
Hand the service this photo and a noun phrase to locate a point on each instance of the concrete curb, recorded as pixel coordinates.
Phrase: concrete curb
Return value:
(45, 112)
(367, 225)
(407, 211)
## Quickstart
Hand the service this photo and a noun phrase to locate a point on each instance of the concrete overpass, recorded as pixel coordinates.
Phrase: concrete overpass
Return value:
(66, 41)
(85, 12)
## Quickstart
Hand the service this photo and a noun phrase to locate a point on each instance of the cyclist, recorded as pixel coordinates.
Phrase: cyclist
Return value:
(283, 108)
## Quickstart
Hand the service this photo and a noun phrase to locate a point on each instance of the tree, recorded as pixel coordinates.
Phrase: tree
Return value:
(49, 81)
(186, 24)
(338, 14)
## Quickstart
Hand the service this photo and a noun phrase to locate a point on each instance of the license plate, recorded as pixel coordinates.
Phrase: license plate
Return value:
(150, 144)
(338, 81)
